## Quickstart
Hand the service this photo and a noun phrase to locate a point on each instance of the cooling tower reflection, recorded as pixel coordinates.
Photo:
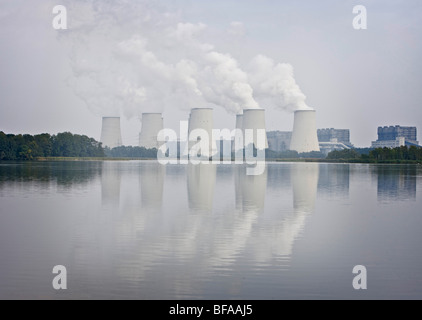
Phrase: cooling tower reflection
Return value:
(151, 176)
(304, 184)
(234, 228)
(111, 179)
(281, 226)
(219, 220)
(201, 185)
(250, 190)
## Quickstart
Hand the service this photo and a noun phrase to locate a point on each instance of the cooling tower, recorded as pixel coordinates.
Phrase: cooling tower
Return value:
(255, 119)
(304, 137)
(152, 124)
(111, 135)
(238, 143)
(202, 118)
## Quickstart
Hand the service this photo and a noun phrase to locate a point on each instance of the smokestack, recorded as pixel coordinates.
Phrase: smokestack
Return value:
(202, 118)
(254, 119)
(111, 135)
(304, 137)
(152, 124)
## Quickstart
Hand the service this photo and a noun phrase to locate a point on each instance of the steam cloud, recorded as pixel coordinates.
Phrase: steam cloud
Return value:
(129, 57)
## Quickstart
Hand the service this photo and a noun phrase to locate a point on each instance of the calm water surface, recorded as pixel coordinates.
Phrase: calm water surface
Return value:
(140, 230)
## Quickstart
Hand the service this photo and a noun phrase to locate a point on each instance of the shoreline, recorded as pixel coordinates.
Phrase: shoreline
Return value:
(304, 160)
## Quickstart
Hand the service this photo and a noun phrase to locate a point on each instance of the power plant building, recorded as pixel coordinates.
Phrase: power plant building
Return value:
(331, 139)
(279, 141)
(329, 135)
(396, 136)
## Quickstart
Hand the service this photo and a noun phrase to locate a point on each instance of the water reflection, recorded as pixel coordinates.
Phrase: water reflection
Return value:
(201, 185)
(278, 232)
(334, 180)
(65, 174)
(396, 182)
(250, 190)
(151, 176)
(140, 230)
(111, 179)
(305, 184)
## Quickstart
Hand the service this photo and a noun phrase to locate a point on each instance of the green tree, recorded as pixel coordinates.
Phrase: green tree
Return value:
(345, 154)
(27, 147)
(45, 143)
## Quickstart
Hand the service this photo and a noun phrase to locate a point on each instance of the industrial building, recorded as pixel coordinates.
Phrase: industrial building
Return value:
(394, 132)
(396, 136)
(279, 141)
(111, 135)
(331, 139)
(331, 134)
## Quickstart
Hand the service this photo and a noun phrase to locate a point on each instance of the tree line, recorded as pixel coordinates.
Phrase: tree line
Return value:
(131, 152)
(400, 154)
(28, 147)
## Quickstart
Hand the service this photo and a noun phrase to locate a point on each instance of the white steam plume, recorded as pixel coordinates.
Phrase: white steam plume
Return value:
(275, 84)
(130, 57)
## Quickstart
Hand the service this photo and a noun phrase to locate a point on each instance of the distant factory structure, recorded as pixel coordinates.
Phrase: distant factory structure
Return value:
(279, 141)
(331, 139)
(396, 136)
(331, 134)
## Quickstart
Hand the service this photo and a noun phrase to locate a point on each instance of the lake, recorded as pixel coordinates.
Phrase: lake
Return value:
(140, 230)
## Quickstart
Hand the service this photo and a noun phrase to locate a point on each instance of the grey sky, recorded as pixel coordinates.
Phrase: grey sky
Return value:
(354, 79)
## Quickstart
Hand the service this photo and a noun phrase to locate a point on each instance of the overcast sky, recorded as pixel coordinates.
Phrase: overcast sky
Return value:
(128, 57)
